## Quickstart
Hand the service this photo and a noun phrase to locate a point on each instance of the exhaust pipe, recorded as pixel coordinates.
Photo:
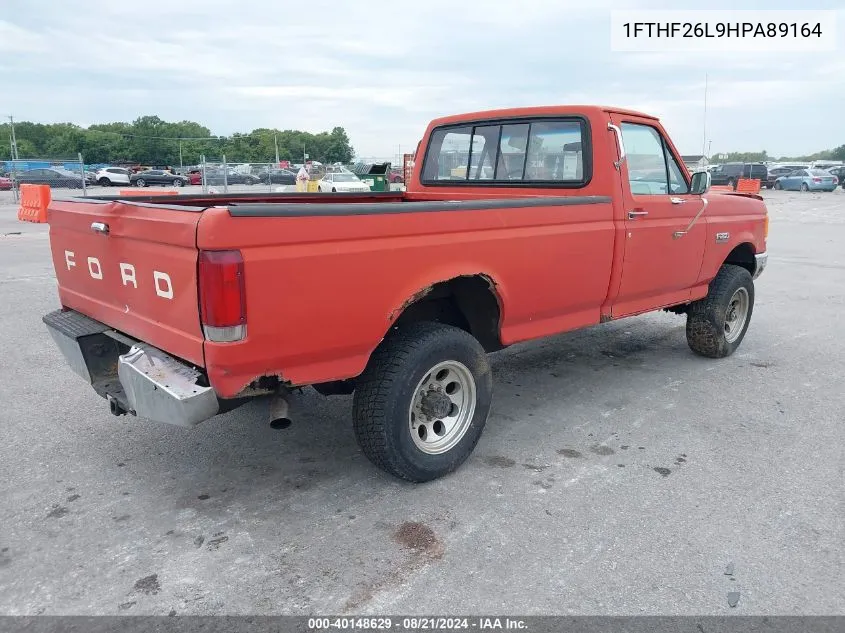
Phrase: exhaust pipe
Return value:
(279, 410)
(114, 406)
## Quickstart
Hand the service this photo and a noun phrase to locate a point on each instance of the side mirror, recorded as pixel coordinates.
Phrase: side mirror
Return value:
(700, 182)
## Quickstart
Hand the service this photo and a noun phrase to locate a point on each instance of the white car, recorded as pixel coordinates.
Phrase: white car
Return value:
(111, 176)
(341, 182)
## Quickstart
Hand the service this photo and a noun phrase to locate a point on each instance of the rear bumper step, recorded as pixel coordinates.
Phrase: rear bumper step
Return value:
(138, 377)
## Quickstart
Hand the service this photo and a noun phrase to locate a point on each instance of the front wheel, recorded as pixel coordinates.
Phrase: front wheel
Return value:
(423, 400)
(778, 186)
(717, 323)
(140, 182)
(178, 182)
(105, 182)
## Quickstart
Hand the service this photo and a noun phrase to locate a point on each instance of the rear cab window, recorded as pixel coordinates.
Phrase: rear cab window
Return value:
(535, 152)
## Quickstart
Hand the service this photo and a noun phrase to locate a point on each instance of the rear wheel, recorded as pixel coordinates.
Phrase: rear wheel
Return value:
(732, 183)
(805, 186)
(334, 190)
(717, 323)
(778, 186)
(141, 182)
(104, 182)
(178, 182)
(422, 402)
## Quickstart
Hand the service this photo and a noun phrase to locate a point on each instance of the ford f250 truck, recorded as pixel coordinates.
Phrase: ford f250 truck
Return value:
(516, 224)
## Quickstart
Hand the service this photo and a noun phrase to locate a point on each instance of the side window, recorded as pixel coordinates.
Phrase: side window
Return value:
(646, 160)
(512, 146)
(555, 151)
(448, 151)
(677, 181)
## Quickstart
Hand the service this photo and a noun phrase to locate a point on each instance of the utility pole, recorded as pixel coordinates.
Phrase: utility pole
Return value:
(704, 131)
(12, 139)
(180, 154)
(276, 143)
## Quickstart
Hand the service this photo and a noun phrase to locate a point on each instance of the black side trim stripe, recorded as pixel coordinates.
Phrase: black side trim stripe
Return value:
(282, 210)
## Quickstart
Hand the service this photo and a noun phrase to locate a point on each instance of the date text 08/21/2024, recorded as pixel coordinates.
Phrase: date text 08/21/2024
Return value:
(417, 623)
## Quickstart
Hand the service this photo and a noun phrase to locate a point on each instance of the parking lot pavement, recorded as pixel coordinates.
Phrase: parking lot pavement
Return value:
(618, 474)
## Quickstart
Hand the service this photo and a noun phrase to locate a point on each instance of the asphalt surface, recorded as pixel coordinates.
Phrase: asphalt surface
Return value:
(618, 474)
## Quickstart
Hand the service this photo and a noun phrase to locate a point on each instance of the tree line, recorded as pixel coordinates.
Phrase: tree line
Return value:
(150, 140)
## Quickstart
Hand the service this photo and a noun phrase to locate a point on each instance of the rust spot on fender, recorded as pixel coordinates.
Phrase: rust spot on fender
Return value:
(394, 314)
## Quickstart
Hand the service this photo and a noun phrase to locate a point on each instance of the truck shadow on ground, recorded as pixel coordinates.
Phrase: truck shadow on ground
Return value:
(238, 452)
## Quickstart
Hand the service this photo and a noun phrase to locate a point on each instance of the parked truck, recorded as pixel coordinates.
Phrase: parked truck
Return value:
(516, 224)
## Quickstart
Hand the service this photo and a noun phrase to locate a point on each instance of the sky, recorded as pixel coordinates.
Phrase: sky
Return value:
(383, 69)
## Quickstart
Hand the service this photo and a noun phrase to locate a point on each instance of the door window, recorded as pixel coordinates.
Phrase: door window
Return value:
(652, 168)
(646, 160)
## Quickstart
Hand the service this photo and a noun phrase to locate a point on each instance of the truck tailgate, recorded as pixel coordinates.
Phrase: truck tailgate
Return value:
(133, 267)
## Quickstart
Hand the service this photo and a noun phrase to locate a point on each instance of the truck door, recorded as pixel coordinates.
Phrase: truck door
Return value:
(664, 233)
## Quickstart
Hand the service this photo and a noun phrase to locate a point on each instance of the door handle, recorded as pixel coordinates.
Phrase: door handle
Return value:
(100, 227)
(678, 200)
(633, 215)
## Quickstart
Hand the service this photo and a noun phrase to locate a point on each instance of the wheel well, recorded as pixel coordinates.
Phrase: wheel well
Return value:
(742, 255)
(468, 302)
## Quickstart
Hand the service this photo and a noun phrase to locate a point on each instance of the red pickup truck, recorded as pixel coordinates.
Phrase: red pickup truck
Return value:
(516, 224)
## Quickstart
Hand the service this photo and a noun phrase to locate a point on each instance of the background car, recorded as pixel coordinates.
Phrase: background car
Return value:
(277, 177)
(839, 172)
(157, 177)
(5, 183)
(776, 172)
(110, 176)
(195, 177)
(395, 175)
(342, 182)
(729, 173)
(54, 176)
(219, 177)
(807, 180)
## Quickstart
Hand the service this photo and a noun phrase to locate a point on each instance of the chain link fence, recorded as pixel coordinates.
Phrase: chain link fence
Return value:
(66, 177)
(212, 175)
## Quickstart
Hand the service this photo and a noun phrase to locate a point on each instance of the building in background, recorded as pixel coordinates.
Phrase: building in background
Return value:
(695, 162)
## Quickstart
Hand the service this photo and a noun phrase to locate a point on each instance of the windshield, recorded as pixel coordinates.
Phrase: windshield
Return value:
(344, 178)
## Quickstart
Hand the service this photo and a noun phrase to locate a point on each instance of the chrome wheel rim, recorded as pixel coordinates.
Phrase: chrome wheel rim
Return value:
(736, 315)
(442, 408)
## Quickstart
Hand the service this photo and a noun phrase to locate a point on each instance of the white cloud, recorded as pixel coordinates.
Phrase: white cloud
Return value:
(383, 70)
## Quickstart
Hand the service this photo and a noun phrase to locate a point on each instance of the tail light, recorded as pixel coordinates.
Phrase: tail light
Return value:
(835, 180)
(817, 179)
(222, 296)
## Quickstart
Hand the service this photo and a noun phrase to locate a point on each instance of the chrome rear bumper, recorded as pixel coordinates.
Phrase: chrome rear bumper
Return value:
(760, 261)
(133, 376)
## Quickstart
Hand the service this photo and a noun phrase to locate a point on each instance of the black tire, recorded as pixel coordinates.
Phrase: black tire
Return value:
(178, 182)
(140, 183)
(385, 392)
(732, 183)
(706, 318)
(805, 187)
(334, 190)
(778, 186)
(104, 182)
